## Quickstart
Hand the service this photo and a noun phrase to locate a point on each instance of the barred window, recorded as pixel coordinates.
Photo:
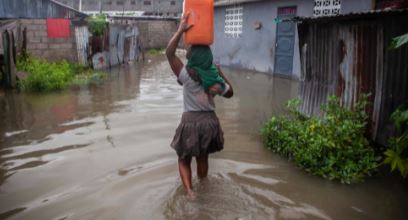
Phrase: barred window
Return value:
(326, 7)
(233, 21)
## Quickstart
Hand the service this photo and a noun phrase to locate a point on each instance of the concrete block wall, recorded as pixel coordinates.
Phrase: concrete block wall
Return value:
(153, 33)
(40, 45)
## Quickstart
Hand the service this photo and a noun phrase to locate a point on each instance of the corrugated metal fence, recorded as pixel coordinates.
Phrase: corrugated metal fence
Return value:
(347, 56)
(122, 47)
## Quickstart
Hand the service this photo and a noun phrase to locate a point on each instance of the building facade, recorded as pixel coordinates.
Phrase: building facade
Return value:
(163, 8)
(257, 35)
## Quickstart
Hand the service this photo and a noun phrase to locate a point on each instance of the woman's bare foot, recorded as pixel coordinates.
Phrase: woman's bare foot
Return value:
(191, 195)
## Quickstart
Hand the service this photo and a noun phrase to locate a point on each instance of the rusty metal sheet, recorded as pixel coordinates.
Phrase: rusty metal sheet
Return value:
(82, 38)
(113, 45)
(350, 57)
(121, 45)
(131, 36)
(100, 60)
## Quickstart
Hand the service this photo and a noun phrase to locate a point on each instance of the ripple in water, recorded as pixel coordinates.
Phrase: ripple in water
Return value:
(223, 196)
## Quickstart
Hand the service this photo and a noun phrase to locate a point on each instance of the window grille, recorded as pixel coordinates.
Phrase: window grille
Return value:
(233, 21)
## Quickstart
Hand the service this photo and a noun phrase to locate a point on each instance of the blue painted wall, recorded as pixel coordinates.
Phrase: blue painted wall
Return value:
(255, 49)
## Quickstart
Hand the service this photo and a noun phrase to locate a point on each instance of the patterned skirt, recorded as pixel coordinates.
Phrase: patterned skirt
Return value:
(199, 133)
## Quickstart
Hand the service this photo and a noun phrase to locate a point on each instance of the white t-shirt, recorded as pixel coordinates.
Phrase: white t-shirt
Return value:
(194, 96)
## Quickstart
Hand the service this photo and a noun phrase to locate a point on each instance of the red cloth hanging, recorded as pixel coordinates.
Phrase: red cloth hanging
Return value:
(58, 28)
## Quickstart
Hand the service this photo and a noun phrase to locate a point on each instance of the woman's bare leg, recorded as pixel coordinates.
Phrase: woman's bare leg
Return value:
(185, 174)
(202, 166)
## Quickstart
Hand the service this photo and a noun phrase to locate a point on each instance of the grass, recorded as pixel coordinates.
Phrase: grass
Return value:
(155, 52)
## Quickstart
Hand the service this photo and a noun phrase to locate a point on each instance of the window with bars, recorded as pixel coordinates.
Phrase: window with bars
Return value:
(233, 21)
(326, 7)
(147, 2)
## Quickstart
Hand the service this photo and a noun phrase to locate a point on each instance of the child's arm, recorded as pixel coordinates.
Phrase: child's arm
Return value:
(227, 92)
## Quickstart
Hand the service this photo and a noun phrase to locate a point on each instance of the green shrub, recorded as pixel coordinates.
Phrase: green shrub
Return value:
(397, 154)
(97, 24)
(43, 75)
(47, 76)
(333, 146)
(154, 52)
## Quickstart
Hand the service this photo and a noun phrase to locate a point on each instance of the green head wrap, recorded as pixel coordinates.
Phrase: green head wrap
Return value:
(201, 60)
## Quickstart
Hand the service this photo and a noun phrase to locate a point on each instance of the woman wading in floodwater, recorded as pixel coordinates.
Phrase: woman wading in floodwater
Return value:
(199, 132)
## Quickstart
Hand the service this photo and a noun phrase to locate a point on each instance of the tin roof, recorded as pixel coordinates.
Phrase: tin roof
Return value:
(68, 7)
(354, 15)
(219, 3)
(37, 9)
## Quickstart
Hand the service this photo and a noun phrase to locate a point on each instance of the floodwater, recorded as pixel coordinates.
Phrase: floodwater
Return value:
(102, 152)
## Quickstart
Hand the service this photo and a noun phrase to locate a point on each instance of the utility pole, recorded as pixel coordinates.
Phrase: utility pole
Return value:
(80, 5)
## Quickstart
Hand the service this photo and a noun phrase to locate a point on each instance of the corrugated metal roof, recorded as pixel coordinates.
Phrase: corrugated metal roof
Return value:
(354, 15)
(218, 3)
(68, 7)
(37, 9)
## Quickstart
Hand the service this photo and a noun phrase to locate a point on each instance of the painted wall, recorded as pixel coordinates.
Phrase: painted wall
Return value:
(255, 49)
(349, 6)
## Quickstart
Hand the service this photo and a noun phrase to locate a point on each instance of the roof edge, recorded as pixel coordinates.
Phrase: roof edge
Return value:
(353, 15)
(68, 7)
(220, 3)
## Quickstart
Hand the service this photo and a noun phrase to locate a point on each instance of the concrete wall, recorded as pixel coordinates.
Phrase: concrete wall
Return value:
(162, 6)
(153, 33)
(38, 44)
(255, 49)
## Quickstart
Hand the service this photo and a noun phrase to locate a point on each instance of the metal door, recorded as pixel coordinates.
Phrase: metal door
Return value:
(285, 39)
(82, 38)
(113, 48)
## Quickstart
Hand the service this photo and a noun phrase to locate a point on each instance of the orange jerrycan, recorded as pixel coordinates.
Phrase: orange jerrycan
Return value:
(202, 17)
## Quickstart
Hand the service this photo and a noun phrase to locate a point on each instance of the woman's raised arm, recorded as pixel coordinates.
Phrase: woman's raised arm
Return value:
(175, 63)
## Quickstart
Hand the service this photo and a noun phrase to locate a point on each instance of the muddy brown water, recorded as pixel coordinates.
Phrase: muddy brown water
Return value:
(102, 152)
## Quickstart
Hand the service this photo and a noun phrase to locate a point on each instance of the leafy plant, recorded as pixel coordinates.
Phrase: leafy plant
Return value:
(399, 41)
(97, 24)
(154, 52)
(44, 76)
(397, 155)
(47, 76)
(333, 146)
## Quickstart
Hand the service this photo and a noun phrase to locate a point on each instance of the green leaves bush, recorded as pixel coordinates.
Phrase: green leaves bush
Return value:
(47, 76)
(97, 24)
(333, 146)
(43, 75)
(397, 154)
